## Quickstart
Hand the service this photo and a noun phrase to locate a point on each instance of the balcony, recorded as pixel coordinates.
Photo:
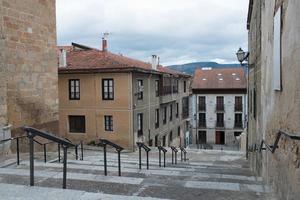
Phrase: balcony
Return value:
(220, 108)
(238, 108)
(201, 124)
(238, 125)
(220, 124)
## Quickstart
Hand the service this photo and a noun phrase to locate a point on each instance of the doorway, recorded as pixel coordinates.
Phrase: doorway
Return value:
(220, 137)
(202, 137)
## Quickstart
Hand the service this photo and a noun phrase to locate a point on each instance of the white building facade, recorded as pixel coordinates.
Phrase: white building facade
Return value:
(218, 107)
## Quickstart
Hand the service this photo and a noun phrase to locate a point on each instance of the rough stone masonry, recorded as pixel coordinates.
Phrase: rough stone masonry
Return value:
(28, 64)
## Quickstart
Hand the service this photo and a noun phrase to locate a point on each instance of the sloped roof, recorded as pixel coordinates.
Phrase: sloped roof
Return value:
(96, 60)
(222, 78)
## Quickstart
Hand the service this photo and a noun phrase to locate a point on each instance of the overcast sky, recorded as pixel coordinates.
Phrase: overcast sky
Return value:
(178, 31)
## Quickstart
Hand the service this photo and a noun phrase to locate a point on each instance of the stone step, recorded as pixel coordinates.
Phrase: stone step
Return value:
(12, 192)
(159, 172)
(113, 180)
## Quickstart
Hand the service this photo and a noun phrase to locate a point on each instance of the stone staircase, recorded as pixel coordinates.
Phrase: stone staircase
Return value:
(206, 175)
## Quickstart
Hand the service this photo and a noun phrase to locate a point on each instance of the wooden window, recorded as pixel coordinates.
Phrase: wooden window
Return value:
(156, 88)
(140, 124)
(185, 107)
(254, 103)
(108, 123)
(202, 104)
(184, 86)
(220, 103)
(156, 118)
(107, 89)
(238, 122)
(76, 124)
(177, 110)
(165, 115)
(140, 89)
(277, 51)
(74, 89)
(220, 120)
(238, 104)
(202, 120)
(220, 137)
(171, 112)
(178, 131)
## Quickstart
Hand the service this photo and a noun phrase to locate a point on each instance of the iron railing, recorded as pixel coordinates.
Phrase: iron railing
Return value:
(273, 147)
(182, 149)
(17, 144)
(104, 143)
(31, 133)
(174, 151)
(147, 149)
(161, 149)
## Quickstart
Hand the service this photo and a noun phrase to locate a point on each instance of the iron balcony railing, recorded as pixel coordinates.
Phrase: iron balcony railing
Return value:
(202, 107)
(220, 108)
(220, 124)
(202, 124)
(238, 124)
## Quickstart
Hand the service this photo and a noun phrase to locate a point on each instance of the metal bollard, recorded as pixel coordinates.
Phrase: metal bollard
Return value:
(18, 152)
(45, 153)
(119, 161)
(65, 167)
(105, 163)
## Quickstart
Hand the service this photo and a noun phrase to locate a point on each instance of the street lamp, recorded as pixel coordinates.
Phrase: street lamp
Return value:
(242, 55)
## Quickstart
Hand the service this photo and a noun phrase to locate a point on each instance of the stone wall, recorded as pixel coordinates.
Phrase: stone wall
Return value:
(30, 63)
(279, 109)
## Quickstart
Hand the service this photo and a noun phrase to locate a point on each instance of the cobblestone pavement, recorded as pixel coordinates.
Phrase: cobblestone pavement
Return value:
(207, 174)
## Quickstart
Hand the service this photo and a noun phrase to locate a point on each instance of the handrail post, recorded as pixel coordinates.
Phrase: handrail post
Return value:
(81, 148)
(119, 161)
(147, 153)
(181, 158)
(18, 152)
(140, 157)
(31, 158)
(172, 156)
(184, 156)
(58, 150)
(175, 157)
(76, 152)
(65, 167)
(45, 153)
(159, 157)
(105, 162)
(164, 159)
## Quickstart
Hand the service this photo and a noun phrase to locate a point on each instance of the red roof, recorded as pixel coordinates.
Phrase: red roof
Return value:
(96, 60)
(221, 78)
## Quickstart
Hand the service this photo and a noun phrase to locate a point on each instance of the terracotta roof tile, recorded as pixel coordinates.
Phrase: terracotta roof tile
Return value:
(224, 78)
(93, 59)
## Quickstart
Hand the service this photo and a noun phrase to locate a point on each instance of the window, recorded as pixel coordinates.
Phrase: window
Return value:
(178, 131)
(165, 115)
(277, 51)
(238, 123)
(140, 124)
(156, 118)
(107, 89)
(254, 103)
(76, 124)
(220, 120)
(171, 112)
(185, 107)
(156, 88)
(184, 86)
(220, 137)
(108, 123)
(202, 120)
(220, 103)
(175, 85)
(177, 110)
(236, 134)
(202, 104)
(74, 89)
(238, 105)
(140, 89)
(170, 137)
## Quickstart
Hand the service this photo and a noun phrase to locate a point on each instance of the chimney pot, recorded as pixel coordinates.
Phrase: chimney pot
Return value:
(154, 62)
(104, 44)
(62, 58)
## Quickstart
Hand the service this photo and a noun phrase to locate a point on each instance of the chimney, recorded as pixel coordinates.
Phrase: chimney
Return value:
(154, 62)
(62, 58)
(104, 44)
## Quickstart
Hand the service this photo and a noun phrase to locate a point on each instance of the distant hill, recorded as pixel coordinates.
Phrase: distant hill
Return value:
(189, 68)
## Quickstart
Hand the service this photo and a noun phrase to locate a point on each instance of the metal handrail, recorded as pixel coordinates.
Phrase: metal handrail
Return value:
(118, 148)
(18, 149)
(182, 149)
(147, 149)
(174, 150)
(162, 149)
(31, 133)
(273, 147)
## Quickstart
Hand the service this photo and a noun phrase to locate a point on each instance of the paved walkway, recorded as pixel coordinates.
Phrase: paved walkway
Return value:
(208, 174)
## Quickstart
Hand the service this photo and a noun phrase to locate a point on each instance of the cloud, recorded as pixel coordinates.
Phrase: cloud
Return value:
(176, 30)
